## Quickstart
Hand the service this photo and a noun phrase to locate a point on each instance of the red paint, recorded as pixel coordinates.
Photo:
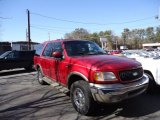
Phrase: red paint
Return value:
(60, 69)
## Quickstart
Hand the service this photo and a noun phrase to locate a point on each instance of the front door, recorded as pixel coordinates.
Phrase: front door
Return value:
(54, 68)
(55, 62)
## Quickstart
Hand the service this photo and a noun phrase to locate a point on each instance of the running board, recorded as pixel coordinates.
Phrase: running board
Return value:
(56, 85)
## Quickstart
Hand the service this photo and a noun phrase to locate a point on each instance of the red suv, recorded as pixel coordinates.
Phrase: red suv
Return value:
(90, 76)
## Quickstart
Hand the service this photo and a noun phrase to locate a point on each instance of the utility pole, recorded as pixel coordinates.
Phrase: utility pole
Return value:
(49, 36)
(29, 35)
(116, 44)
(26, 35)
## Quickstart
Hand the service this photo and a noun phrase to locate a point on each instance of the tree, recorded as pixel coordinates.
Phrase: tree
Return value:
(136, 37)
(95, 38)
(150, 36)
(132, 38)
(109, 35)
(141, 36)
(77, 34)
(81, 33)
(110, 41)
(158, 34)
(125, 35)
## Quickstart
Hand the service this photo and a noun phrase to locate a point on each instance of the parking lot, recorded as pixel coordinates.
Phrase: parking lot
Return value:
(22, 98)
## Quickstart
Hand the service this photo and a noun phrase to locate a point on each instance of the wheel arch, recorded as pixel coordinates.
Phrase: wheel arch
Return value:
(73, 77)
(149, 72)
(38, 66)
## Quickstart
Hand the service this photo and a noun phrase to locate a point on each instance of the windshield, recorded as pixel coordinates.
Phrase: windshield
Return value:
(79, 48)
(4, 54)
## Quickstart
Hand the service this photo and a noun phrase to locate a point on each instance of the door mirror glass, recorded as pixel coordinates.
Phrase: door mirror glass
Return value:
(57, 54)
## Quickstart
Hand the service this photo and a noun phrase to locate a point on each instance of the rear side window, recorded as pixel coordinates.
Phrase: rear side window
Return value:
(52, 47)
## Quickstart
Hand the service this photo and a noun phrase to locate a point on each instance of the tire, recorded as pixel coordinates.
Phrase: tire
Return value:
(40, 77)
(81, 97)
(152, 87)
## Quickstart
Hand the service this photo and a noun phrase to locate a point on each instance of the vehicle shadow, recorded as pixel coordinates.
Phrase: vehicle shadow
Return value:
(140, 106)
(55, 105)
(15, 71)
(52, 103)
(44, 102)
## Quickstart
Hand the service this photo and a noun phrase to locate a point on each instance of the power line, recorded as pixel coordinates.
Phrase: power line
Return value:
(142, 25)
(5, 18)
(62, 32)
(43, 26)
(46, 29)
(55, 28)
(65, 20)
(71, 21)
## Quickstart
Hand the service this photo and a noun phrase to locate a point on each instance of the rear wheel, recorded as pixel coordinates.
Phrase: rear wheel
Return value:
(81, 97)
(40, 77)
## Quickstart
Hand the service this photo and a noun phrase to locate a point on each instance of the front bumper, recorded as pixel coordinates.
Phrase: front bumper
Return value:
(113, 93)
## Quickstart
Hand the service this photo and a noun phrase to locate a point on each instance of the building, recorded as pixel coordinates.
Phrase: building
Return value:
(23, 45)
(19, 45)
(151, 46)
(5, 46)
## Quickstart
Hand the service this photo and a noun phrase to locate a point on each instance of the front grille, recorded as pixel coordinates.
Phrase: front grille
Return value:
(130, 75)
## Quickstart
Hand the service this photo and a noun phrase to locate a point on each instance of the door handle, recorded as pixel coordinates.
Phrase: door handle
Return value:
(68, 65)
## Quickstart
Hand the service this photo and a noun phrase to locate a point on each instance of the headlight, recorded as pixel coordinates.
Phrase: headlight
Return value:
(104, 76)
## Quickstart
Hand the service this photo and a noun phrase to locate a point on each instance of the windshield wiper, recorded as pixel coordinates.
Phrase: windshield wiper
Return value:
(91, 53)
(96, 53)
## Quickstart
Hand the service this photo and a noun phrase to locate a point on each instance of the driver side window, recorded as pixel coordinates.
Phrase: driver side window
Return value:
(52, 47)
(10, 56)
(48, 50)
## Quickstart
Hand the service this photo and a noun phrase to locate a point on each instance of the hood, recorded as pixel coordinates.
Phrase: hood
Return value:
(105, 62)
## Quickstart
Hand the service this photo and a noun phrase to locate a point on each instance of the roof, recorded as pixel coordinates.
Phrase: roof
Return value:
(63, 40)
(24, 42)
(151, 44)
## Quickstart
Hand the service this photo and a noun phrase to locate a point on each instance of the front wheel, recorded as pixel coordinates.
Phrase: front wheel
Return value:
(81, 97)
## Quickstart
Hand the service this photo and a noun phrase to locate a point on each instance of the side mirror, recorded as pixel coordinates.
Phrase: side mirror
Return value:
(57, 54)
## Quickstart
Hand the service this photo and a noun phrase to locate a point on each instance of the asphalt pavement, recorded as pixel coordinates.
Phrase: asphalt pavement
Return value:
(22, 98)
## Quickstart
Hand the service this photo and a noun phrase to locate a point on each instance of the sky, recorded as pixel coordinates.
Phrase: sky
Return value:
(53, 18)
